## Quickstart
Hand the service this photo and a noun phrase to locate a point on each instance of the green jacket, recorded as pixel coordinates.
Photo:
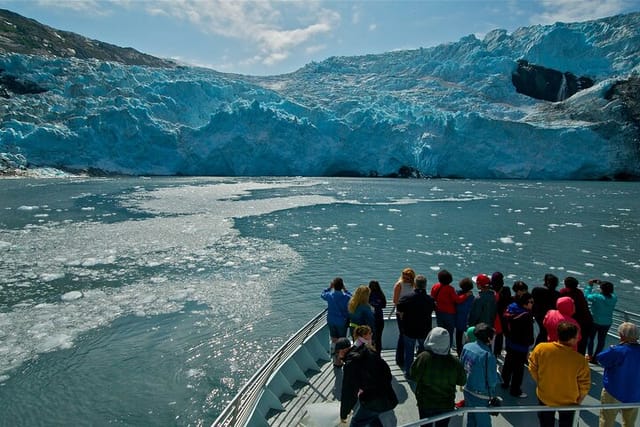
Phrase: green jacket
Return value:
(436, 377)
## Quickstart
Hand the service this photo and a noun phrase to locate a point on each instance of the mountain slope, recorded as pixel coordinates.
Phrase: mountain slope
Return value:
(449, 111)
(27, 36)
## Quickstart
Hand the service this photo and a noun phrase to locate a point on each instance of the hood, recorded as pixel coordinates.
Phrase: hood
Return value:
(438, 341)
(566, 306)
(514, 308)
(355, 352)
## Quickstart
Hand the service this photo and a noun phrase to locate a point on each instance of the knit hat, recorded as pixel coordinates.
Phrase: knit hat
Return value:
(482, 280)
(438, 341)
(471, 336)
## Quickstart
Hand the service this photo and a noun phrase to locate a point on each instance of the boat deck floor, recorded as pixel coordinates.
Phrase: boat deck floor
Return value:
(315, 406)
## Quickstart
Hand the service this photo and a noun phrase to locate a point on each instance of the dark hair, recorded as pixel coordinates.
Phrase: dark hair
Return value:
(337, 284)
(421, 282)
(523, 299)
(606, 288)
(567, 331)
(466, 284)
(445, 277)
(374, 285)
(551, 281)
(497, 281)
(483, 332)
(571, 282)
(519, 285)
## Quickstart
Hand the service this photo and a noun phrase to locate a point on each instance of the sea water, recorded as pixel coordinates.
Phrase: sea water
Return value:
(149, 302)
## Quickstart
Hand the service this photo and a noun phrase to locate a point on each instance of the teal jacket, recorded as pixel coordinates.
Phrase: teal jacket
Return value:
(601, 306)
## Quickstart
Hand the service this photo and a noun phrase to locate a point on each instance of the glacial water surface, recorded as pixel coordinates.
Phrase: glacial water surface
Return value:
(149, 302)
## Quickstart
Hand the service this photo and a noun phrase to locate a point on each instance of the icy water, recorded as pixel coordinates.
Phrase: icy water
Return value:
(149, 302)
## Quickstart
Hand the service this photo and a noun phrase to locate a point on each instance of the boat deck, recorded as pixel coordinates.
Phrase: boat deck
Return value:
(315, 405)
(294, 388)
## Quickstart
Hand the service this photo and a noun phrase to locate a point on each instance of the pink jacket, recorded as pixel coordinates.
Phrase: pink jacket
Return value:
(565, 309)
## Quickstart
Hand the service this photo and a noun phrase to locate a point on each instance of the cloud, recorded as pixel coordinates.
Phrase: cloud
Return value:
(274, 27)
(577, 10)
(95, 7)
(78, 5)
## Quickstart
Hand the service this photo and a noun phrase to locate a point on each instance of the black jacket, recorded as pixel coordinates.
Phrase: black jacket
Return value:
(416, 312)
(365, 370)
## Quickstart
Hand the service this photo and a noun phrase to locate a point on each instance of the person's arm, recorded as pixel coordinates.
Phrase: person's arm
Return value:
(396, 293)
(417, 367)
(349, 392)
(608, 358)
(533, 365)
(461, 376)
(492, 375)
(588, 290)
(584, 381)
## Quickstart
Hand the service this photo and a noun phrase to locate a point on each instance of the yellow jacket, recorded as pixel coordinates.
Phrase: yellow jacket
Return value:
(562, 374)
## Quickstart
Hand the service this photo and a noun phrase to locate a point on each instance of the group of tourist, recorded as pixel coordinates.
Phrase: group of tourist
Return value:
(572, 324)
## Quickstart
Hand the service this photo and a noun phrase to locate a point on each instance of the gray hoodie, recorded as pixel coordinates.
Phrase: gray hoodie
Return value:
(438, 341)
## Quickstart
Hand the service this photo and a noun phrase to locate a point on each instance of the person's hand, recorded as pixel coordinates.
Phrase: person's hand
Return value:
(343, 422)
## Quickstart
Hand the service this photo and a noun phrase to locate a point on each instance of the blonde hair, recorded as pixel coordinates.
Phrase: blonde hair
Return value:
(361, 331)
(409, 272)
(360, 296)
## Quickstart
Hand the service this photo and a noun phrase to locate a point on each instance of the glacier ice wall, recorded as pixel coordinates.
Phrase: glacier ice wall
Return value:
(448, 111)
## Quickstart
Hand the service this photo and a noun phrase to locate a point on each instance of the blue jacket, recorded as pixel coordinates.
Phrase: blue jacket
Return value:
(462, 312)
(337, 306)
(363, 316)
(601, 306)
(481, 368)
(621, 373)
(518, 331)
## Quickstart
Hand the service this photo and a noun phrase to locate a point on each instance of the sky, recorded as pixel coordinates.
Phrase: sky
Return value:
(268, 37)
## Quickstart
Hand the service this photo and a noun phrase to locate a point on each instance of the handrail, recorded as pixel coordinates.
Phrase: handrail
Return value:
(239, 410)
(513, 409)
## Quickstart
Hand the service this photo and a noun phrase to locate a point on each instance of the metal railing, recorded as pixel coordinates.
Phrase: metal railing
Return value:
(463, 412)
(238, 412)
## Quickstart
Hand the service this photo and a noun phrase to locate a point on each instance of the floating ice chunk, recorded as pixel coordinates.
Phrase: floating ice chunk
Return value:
(28, 208)
(90, 262)
(507, 240)
(50, 277)
(71, 296)
(4, 245)
(609, 226)
(55, 342)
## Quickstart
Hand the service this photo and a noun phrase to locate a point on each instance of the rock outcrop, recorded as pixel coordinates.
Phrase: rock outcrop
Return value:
(547, 84)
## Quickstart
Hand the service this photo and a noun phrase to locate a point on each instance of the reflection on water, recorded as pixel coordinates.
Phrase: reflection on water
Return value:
(150, 301)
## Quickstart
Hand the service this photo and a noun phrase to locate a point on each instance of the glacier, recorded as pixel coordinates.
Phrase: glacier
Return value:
(446, 111)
